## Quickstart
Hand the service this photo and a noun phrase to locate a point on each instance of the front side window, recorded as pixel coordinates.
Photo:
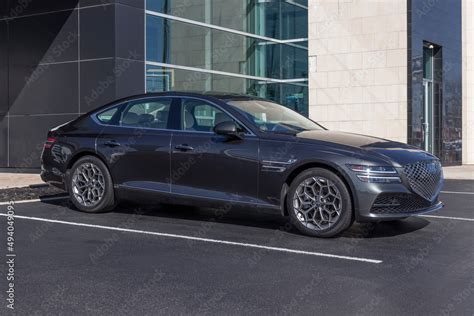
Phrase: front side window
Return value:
(149, 114)
(272, 117)
(198, 115)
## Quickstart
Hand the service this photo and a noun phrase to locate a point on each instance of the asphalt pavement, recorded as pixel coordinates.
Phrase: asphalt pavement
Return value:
(183, 260)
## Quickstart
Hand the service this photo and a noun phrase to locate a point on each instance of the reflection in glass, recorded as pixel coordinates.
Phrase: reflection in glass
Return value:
(159, 79)
(275, 19)
(183, 44)
(258, 53)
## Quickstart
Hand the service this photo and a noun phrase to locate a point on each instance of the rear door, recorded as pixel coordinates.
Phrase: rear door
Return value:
(136, 143)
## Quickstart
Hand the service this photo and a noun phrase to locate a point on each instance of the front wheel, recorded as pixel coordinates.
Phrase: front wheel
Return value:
(90, 186)
(319, 203)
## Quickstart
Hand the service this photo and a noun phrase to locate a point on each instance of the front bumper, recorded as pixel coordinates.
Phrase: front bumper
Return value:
(376, 217)
(382, 202)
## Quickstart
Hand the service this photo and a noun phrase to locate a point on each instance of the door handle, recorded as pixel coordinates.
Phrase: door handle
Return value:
(112, 143)
(183, 147)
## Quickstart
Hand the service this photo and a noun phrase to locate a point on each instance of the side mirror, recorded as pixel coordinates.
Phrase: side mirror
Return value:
(229, 129)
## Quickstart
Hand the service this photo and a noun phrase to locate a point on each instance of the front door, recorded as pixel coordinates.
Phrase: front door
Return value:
(204, 164)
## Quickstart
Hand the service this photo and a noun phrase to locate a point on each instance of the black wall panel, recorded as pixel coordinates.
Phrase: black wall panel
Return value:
(59, 64)
(50, 89)
(4, 5)
(45, 38)
(133, 3)
(97, 31)
(23, 7)
(3, 67)
(130, 37)
(3, 140)
(97, 83)
(30, 133)
(130, 79)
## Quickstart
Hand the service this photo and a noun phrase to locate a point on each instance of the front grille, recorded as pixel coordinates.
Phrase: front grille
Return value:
(425, 178)
(389, 203)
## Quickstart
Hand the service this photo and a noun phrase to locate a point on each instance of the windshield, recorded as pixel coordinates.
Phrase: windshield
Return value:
(272, 117)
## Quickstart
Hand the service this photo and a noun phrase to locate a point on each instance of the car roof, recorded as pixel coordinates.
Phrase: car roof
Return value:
(224, 96)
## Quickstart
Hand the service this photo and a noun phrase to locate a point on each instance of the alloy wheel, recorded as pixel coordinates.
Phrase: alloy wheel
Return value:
(88, 184)
(317, 203)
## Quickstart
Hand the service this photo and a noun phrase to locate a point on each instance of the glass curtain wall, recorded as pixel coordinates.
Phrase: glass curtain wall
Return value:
(240, 46)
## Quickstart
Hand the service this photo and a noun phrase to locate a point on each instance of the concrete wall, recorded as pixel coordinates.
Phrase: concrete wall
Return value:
(468, 82)
(358, 66)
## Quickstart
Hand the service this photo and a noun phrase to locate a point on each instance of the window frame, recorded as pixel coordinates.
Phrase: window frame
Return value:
(176, 107)
(117, 117)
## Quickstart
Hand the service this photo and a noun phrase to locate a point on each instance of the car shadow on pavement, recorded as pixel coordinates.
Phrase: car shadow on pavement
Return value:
(386, 229)
(260, 218)
(256, 217)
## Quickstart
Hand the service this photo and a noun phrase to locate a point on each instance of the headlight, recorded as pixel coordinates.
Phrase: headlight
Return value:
(376, 174)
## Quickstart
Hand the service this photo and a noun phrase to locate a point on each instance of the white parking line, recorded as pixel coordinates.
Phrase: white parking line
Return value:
(449, 217)
(37, 200)
(455, 192)
(216, 241)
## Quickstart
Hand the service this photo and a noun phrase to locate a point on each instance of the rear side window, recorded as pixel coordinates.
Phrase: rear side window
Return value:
(149, 114)
(106, 116)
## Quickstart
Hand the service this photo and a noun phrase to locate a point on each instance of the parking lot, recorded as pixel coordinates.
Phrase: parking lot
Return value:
(182, 260)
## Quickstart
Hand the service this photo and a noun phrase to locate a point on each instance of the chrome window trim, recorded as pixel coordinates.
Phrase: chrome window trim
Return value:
(97, 121)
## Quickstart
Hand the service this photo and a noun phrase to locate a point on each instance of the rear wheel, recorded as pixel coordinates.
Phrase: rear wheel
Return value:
(319, 203)
(90, 186)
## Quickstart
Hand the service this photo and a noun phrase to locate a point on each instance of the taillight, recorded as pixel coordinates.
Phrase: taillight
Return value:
(49, 142)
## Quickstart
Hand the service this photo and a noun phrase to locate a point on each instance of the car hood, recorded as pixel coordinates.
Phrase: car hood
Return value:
(395, 151)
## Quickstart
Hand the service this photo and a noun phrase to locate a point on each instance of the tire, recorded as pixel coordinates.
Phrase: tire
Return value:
(325, 200)
(101, 197)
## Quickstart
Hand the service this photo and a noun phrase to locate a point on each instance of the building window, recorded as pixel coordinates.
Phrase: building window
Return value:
(249, 47)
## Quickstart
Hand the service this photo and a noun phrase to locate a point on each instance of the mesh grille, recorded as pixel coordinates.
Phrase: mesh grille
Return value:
(387, 203)
(425, 178)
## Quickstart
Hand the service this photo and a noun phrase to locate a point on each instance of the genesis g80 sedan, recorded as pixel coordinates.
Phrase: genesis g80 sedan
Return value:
(223, 149)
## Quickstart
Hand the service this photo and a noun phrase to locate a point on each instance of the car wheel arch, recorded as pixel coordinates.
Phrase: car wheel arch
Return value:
(79, 155)
(301, 168)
